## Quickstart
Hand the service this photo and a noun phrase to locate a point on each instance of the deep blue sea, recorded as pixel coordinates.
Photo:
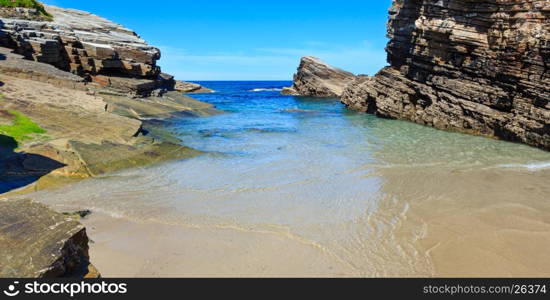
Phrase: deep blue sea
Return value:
(333, 192)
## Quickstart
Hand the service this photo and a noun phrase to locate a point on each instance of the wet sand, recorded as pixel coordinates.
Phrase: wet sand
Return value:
(335, 193)
(124, 248)
(443, 224)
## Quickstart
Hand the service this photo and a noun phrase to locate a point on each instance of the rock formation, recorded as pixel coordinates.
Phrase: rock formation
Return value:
(317, 79)
(190, 87)
(89, 46)
(38, 242)
(480, 67)
(87, 84)
(93, 82)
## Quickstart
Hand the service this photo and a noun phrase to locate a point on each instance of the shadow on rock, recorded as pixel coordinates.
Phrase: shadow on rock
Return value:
(18, 169)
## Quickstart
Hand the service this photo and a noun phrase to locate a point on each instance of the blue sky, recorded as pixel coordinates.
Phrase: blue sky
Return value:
(252, 40)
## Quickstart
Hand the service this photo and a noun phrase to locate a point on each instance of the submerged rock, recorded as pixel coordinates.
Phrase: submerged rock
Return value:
(318, 79)
(479, 67)
(38, 242)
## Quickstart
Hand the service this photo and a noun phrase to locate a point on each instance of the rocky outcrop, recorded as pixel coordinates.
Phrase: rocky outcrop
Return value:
(317, 79)
(480, 67)
(86, 135)
(85, 85)
(190, 87)
(15, 65)
(36, 242)
(89, 46)
(25, 13)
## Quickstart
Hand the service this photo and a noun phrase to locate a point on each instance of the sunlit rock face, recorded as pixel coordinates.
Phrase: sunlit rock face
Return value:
(315, 78)
(99, 50)
(479, 67)
(82, 43)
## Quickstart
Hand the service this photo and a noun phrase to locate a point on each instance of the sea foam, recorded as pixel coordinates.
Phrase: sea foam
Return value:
(535, 166)
(267, 90)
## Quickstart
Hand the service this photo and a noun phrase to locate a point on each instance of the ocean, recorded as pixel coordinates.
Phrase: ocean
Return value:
(298, 186)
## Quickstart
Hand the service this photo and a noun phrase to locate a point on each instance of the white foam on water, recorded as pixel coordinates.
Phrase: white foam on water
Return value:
(537, 166)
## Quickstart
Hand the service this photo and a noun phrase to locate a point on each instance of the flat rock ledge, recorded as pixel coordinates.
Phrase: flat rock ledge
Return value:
(36, 242)
(478, 67)
(315, 78)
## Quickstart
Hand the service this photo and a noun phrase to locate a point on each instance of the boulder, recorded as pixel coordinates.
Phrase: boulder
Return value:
(36, 242)
(318, 79)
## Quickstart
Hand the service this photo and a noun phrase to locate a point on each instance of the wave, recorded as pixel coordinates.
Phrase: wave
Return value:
(266, 90)
(530, 166)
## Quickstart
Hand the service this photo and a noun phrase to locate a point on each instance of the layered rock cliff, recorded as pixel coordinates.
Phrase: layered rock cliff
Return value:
(315, 78)
(87, 45)
(85, 72)
(74, 92)
(480, 67)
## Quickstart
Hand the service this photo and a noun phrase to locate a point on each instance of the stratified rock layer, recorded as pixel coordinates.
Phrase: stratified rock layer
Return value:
(38, 242)
(317, 79)
(480, 67)
(82, 43)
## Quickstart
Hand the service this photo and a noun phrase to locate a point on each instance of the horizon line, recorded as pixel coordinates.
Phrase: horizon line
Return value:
(229, 80)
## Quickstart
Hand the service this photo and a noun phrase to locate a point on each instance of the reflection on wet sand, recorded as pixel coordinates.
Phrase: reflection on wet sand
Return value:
(488, 223)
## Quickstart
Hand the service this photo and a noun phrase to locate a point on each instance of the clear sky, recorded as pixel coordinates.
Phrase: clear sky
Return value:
(252, 40)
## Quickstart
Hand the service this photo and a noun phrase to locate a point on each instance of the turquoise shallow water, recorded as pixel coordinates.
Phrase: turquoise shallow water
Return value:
(390, 198)
(261, 121)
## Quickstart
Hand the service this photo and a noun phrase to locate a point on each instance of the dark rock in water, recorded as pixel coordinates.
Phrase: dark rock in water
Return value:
(80, 214)
(36, 242)
(479, 67)
(317, 79)
(300, 111)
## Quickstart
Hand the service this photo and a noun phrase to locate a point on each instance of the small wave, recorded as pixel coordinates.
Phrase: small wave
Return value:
(267, 90)
(530, 166)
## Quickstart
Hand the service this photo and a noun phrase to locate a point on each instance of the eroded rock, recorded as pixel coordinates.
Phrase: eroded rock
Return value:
(318, 79)
(190, 87)
(479, 67)
(38, 242)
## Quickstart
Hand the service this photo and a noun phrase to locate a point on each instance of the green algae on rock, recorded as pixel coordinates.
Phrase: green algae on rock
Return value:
(22, 127)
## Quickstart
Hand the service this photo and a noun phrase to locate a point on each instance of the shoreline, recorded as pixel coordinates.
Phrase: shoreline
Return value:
(127, 248)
